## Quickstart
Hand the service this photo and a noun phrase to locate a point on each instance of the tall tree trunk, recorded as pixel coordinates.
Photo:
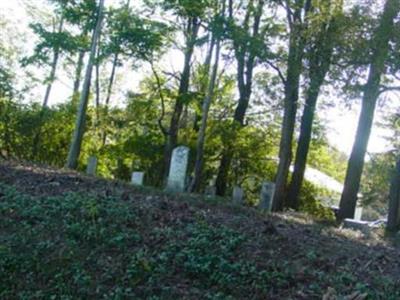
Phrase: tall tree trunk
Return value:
(111, 80)
(319, 63)
(78, 74)
(7, 132)
(97, 82)
(75, 147)
(393, 222)
(56, 55)
(303, 146)
(296, 52)
(355, 165)
(204, 81)
(192, 31)
(109, 93)
(198, 168)
(245, 57)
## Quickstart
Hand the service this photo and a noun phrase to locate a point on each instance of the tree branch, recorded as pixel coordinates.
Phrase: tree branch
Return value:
(276, 68)
(385, 89)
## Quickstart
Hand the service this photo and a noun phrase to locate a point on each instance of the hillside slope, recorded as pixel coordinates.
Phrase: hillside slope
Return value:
(67, 236)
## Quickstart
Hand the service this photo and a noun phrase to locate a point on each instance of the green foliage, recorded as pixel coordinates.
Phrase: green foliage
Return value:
(84, 245)
(187, 8)
(316, 200)
(53, 243)
(19, 125)
(78, 246)
(6, 83)
(132, 35)
(50, 41)
(376, 183)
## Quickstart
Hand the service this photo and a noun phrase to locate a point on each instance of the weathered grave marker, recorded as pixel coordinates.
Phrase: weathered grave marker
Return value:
(266, 195)
(237, 195)
(137, 178)
(357, 225)
(178, 168)
(91, 165)
(210, 189)
(358, 213)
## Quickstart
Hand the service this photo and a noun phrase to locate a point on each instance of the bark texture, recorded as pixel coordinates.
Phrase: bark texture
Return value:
(355, 165)
(319, 62)
(195, 185)
(297, 42)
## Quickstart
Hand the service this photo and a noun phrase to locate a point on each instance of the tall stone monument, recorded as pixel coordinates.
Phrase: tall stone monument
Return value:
(266, 195)
(177, 170)
(91, 166)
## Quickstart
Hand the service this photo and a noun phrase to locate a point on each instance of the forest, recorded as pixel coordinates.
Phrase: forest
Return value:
(232, 102)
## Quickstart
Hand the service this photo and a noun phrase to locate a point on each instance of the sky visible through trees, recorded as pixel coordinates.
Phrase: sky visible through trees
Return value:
(341, 119)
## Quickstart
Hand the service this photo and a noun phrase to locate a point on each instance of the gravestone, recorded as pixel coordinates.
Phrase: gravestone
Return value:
(237, 195)
(357, 225)
(91, 165)
(137, 178)
(177, 170)
(358, 213)
(266, 195)
(210, 189)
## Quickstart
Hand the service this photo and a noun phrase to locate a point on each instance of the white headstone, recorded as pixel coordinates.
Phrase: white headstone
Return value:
(266, 196)
(91, 165)
(237, 195)
(177, 171)
(358, 213)
(137, 178)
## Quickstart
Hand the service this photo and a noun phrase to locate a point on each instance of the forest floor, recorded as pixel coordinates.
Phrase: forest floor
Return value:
(64, 235)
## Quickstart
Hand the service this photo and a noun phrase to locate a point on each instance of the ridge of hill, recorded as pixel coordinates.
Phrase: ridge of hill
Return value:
(64, 235)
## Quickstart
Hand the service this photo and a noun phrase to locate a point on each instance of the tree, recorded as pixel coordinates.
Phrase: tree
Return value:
(393, 221)
(54, 63)
(246, 39)
(215, 41)
(130, 36)
(75, 147)
(371, 90)
(192, 14)
(298, 23)
(82, 15)
(319, 55)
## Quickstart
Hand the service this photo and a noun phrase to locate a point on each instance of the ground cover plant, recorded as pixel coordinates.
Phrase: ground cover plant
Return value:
(65, 236)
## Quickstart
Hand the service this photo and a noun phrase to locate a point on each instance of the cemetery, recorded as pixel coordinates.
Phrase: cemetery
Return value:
(200, 149)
